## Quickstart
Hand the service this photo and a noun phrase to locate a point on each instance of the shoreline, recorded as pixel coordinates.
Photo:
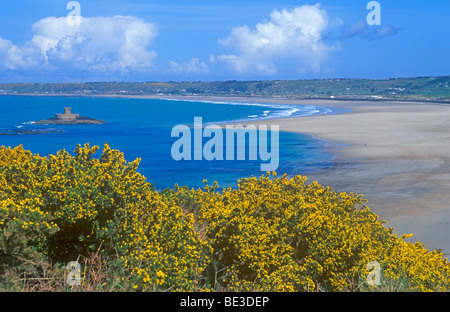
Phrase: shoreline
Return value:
(397, 154)
(245, 99)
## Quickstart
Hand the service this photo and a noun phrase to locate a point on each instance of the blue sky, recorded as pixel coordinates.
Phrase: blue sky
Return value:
(169, 40)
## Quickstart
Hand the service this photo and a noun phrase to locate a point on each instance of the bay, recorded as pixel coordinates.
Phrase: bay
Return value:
(141, 128)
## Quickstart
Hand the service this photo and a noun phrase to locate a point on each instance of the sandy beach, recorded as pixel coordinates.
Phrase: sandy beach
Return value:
(397, 154)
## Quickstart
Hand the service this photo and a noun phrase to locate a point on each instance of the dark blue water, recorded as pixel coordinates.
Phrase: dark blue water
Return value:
(141, 128)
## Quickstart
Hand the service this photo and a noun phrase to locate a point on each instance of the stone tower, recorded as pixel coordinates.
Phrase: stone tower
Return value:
(67, 116)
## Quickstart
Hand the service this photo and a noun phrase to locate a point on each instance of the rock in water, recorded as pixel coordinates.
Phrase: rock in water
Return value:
(69, 119)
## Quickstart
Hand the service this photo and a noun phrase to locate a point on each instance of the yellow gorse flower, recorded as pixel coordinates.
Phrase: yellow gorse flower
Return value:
(271, 233)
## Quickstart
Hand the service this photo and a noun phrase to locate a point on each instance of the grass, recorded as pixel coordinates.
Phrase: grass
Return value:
(99, 274)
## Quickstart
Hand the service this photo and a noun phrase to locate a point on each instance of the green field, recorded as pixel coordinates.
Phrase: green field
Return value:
(416, 89)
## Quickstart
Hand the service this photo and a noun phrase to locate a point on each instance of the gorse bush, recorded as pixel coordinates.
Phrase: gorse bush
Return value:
(64, 206)
(282, 234)
(269, 234)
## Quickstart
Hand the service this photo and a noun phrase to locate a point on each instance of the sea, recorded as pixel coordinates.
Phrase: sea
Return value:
(142, 128)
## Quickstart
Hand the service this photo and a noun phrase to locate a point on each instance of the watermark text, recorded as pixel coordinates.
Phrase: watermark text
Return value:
(230, 143)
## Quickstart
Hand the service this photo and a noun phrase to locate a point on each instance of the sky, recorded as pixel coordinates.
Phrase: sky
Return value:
(211, 40)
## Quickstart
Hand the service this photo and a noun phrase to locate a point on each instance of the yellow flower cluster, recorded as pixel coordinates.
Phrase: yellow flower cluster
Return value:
(162, 248)
(63, 206)
(421, 269)
(269, 234)
(280, 234)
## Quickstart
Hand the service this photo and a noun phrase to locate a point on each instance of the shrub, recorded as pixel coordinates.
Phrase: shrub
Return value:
(64, 206)
(269, 234)
(280, 234)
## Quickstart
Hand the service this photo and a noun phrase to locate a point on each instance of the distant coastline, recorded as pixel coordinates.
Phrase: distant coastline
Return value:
(255, 99)
(430, 88)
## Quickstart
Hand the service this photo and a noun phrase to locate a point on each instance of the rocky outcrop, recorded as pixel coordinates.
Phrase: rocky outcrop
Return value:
(69, 119)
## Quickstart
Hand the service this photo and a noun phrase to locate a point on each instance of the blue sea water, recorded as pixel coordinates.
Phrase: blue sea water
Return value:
(141, 128)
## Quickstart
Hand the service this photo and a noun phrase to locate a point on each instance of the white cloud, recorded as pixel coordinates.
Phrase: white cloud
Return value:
(289, 39)
(194, 66)
(117, 44)
(13, 58)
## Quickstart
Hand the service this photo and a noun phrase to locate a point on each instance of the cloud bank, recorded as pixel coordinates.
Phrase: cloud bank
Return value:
(289, 39)
(289, 43)
(194, 66)
(100, 45)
